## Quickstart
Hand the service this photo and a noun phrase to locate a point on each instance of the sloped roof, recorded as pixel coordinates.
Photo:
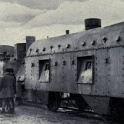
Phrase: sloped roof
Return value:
(90, 39)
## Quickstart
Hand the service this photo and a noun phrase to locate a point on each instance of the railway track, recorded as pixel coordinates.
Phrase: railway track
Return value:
(73, 111)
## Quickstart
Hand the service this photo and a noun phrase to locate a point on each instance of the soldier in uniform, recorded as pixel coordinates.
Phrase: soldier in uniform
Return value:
(8, 90)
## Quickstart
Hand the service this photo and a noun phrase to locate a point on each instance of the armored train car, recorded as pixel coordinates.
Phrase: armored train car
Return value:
(88, 65)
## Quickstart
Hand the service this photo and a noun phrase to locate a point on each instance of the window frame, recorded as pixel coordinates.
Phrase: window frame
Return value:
(82, 61)
(42, 68)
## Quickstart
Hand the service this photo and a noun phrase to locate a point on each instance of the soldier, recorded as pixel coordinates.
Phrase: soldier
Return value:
(8, 90)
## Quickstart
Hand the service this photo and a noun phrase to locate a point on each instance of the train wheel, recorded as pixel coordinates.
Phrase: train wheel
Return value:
(81, 103)
(54, 101)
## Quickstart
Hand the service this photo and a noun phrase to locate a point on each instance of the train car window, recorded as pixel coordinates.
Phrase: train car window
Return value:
(44, 71)
(85, 69)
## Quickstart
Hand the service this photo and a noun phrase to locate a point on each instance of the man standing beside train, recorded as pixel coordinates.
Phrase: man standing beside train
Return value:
(8, 90)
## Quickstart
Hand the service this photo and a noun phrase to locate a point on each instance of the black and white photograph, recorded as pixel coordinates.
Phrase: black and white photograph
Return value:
(61, 61)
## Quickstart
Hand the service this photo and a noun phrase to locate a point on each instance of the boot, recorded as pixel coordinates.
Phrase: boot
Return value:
(11, 111)
(3, 111)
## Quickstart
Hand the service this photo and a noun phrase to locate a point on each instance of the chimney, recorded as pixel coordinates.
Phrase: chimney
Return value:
(19, 51)
(29, 41)
(67, 32)
(91, 23)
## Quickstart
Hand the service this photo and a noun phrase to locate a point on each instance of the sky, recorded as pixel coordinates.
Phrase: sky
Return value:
(42, 18)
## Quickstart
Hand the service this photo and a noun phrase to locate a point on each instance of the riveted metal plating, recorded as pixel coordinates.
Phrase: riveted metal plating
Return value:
(30, 49)
(59, 45)
(104, 39)
(56, 63)
(93, 42)
(72, 62)
(37, 50)
(51, 47)
(32, 65)
(83, 44)
(107, 61)
(44, 49)
(68, 46)
(118, 39)
(64, 62)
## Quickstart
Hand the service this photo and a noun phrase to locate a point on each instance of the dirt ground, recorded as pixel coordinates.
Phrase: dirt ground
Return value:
(35, 115)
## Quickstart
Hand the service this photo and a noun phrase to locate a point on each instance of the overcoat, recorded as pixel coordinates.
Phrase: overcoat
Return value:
(7, 86)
